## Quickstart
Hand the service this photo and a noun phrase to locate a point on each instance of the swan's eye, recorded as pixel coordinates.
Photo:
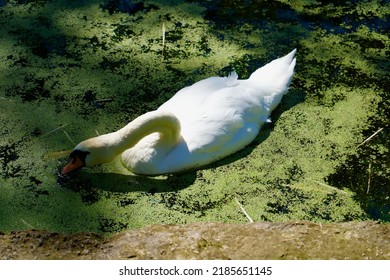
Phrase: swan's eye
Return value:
(77, 154)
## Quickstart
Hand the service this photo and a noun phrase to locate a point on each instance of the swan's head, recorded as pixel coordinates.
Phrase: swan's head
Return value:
(78, 159)
(90, 152)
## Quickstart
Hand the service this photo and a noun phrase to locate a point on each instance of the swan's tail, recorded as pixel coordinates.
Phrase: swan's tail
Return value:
(273, 79)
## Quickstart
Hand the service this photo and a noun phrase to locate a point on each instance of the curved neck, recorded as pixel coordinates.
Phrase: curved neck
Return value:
(165, 123)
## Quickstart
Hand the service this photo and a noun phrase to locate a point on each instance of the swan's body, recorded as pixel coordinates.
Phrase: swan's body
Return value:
(202, 123)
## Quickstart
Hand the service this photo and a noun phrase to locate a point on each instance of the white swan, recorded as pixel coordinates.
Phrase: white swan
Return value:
(202, 123)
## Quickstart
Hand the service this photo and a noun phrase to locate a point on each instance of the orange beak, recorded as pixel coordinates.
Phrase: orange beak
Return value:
(75, 163)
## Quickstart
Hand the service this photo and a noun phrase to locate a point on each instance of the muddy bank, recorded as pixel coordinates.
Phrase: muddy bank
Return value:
(265, 240)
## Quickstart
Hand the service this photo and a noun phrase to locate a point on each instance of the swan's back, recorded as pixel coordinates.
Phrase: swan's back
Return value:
(221, 115)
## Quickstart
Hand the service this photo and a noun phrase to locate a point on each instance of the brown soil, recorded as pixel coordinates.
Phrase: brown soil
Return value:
(292, 240)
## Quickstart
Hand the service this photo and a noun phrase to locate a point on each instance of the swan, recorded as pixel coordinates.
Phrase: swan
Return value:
(200, 124)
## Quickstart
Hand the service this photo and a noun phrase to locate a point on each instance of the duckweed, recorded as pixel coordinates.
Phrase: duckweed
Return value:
(315, 161)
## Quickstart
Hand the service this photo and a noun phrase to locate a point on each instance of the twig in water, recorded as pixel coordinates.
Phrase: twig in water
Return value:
(163, 39)
(372, 136)
(369, 178)
(27, 224)
(243, 210)
(58, 154)
(3, 98)
(100, 103)
(51, 131)
(67, 136)
(328, 186)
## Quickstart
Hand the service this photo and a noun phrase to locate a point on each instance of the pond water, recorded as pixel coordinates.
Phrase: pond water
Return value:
(71, 70)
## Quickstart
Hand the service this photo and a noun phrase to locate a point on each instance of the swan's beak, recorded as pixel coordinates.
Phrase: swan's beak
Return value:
(75, 163)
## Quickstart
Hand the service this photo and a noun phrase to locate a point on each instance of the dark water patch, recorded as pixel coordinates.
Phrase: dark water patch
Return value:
(112, 65)
(336, 18)
(126, 6)
(35, 181)
(176, 34)
(31, 1)
(204, 47)
(89, 96)
(8, 161)
(89, 193)
(123, 6)
(125, 201)
(19, 61)
(91, 101)
(33, 88)
(192, 204)
(233, 12)
(36, 132)
(121, 32)
(107, 225)
(95, 43)
(35, 187)
(344, 24)
(38, 42)
(368, 43)
(173, 53)
(23, 2)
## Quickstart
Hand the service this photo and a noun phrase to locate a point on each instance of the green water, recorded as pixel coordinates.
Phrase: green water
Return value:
(59, 58)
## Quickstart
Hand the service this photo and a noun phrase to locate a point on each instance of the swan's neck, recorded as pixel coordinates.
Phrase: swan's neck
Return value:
(165, 123)
(105, 148)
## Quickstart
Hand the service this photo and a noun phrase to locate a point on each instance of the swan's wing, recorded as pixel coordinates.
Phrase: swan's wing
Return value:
(230, 117)
(218, 116)
(209, 148)
(186, 102)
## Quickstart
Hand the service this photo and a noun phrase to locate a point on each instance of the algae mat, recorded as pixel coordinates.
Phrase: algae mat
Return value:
(71, 70)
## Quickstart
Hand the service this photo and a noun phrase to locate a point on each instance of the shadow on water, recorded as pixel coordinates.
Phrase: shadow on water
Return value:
(123, 183)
